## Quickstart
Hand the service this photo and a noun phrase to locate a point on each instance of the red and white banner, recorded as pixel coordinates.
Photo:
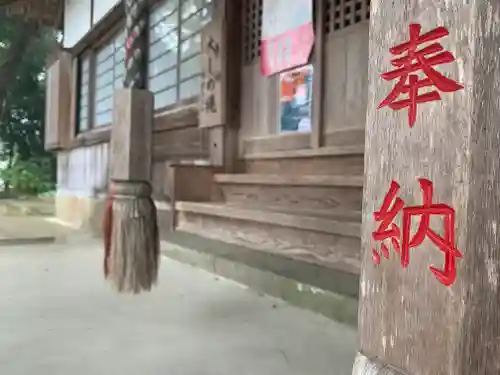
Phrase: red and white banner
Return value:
(287, 34)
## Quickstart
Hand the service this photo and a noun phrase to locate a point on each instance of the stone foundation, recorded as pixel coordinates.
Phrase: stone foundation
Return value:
(82, 212)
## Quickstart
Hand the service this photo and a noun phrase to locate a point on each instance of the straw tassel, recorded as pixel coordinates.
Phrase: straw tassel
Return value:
(131, 238)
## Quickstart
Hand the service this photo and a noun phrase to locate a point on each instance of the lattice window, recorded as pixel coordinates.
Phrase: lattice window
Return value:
(83, 97)
(174, 70)
(252, 21)
(109, 75)
(344, 13)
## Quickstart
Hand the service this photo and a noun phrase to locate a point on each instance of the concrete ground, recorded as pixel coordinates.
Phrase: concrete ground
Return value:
(30, 228)
(57, 316)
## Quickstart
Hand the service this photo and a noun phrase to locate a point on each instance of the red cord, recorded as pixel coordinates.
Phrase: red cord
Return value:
(107, 230)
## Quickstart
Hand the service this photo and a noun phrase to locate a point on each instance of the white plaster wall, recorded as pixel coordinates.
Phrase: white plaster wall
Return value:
(77, 20)
(101, 7)
(82, 170)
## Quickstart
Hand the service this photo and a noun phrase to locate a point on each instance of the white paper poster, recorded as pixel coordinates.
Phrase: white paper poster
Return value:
(287, 34)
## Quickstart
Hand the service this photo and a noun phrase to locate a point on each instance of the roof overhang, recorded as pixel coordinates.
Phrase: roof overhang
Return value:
(47, 12)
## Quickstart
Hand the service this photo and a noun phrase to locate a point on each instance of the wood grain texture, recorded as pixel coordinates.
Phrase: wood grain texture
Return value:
(192, 182)
(276, 142)
(223, 148)
(260, 102)
(180, 143)
(308, 153)
(189, 183)
(329, 250)
(52, 108)
(214, 61)
(299, 197)
(323, 224)
(73, 121)
(346, 66)
(221, 65)
(91, 138)
(354, 135)
(318, 98)
(407, 318)
(290, 180)
(59, 102)
(356, 90)
(159, 180)
(131, 146)
(479, 342)
(301, 142)
(314, 165)
(179, 117)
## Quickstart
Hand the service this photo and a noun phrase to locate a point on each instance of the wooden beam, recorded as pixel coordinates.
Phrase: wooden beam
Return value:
(318, 75)
(219, 100)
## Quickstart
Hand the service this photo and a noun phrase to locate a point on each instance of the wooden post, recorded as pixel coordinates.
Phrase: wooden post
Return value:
(318, 76)
(408, 318)
(220, 94)
(130, 225)
(131, 144)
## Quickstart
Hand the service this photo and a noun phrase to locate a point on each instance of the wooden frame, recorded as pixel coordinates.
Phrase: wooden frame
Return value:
(96, 43)
(91, 53)
(179, 60)
(328, 24)
(251, 17)
(318, 74)
(341, 14)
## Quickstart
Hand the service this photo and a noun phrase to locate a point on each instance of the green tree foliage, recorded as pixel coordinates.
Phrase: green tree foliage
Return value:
(24, 48)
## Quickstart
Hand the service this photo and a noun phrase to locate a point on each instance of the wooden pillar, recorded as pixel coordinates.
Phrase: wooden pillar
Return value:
(131, 141)
(130, 226)
(408, 318)
(220, 95)
(318, 75)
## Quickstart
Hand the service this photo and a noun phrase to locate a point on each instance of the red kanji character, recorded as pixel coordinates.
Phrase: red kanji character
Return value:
(446, 244)
(410, 83)
(386, 215)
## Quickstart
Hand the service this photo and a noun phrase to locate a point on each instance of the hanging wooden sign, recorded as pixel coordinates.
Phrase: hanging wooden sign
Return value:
(213, 86)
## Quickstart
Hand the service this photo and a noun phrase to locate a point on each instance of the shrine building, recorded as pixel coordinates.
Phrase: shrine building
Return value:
(275, 186)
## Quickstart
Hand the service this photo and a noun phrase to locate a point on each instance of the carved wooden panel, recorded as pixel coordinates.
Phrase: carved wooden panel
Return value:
(344, 13)
(252, 30)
